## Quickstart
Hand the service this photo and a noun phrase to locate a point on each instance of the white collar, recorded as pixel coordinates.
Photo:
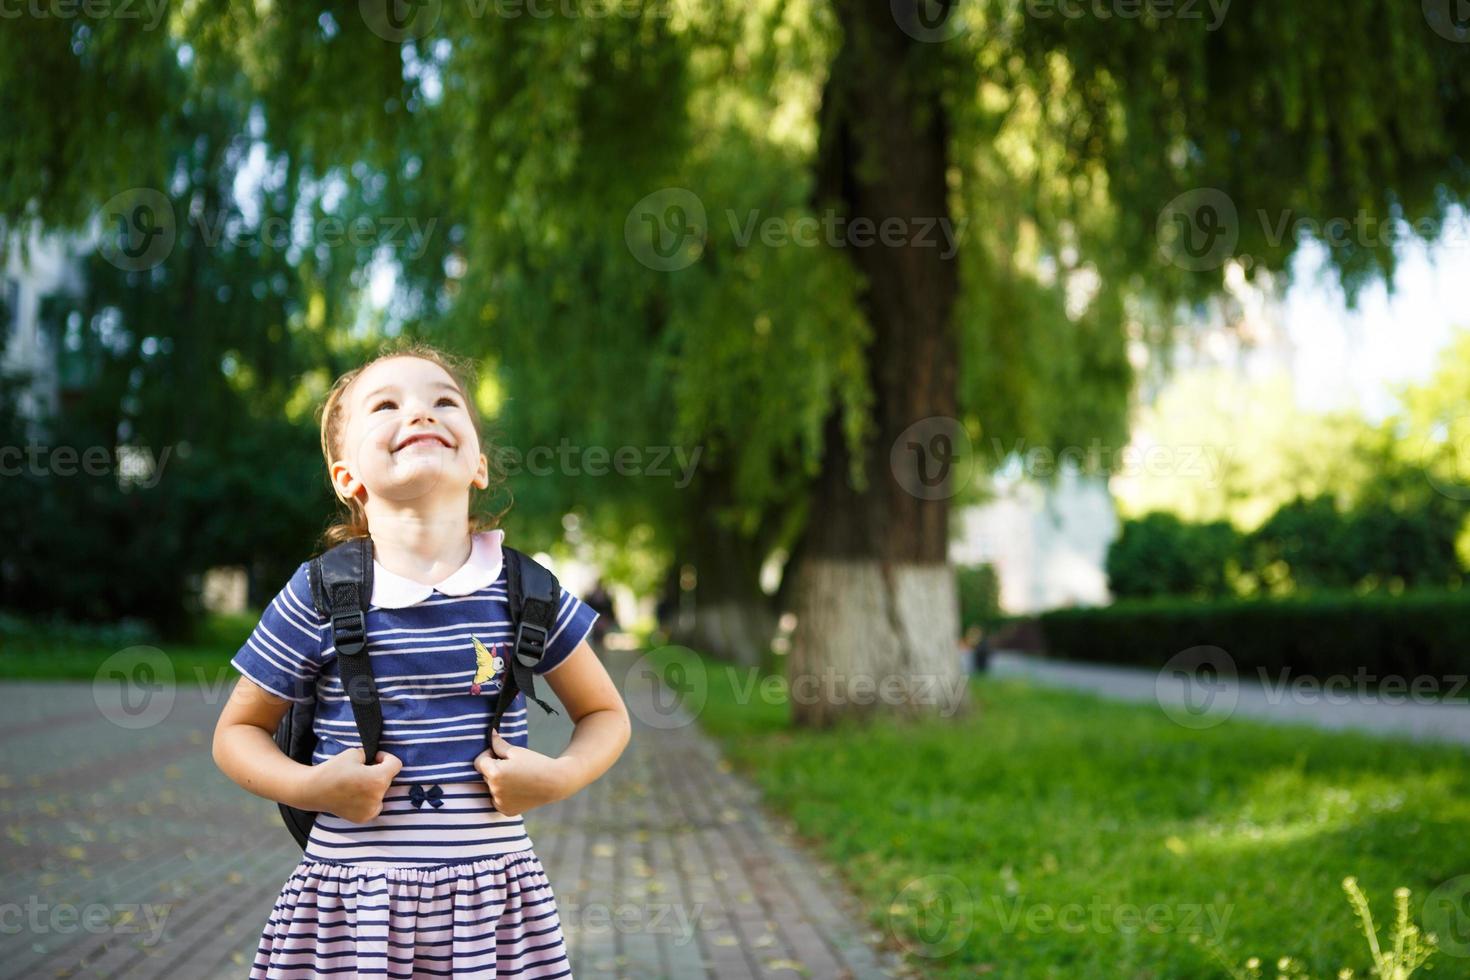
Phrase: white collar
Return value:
(393, 591)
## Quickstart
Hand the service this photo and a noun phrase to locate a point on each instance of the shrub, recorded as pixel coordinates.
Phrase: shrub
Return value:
(1310, 544)
(1417, 633)
(1159, 554)
(979, 588)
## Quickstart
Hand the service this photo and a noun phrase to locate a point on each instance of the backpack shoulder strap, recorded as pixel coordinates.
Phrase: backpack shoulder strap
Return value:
(342, 589)
(534, 595)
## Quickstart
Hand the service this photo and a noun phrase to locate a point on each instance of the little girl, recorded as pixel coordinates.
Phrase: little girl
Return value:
(419, 863)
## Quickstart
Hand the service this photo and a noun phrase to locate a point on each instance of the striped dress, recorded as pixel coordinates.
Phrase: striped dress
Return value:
(440, 883)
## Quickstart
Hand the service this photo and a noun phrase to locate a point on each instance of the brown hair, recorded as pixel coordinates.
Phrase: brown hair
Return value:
(352, 518)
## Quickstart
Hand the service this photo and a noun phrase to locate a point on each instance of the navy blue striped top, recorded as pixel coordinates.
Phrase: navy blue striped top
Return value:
(435, 695)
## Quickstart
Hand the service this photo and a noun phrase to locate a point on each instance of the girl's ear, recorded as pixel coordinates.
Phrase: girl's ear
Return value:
(482, 473)
(344, 483)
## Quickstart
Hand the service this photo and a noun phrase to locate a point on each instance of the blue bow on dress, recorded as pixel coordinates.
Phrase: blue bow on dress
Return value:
(417, 795)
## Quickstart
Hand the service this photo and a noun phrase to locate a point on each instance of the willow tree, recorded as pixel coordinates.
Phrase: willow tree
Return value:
(1164, 147)
(618, 193)
(193, 323)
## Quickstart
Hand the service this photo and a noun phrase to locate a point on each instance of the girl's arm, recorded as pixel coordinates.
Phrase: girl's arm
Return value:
(526, 778)
(245, 750)
(592, 701)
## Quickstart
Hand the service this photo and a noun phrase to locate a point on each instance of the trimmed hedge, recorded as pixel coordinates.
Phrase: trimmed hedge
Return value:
(1416, 633)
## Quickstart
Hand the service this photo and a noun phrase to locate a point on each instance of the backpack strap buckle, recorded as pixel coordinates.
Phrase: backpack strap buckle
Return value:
(349, 633)
(530, 643)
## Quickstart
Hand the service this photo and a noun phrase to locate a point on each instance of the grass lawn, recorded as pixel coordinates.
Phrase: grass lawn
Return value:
(1052, 834)
(203, 658)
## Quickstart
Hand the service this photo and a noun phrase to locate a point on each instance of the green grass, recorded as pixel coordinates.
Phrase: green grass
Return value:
(1058, 815)
(203, 658)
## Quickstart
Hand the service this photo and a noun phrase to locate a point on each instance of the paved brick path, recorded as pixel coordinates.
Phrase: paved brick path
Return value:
(126, 853)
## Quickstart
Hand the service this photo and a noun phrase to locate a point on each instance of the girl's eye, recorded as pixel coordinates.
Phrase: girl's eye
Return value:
(446, 400)
(385, 403)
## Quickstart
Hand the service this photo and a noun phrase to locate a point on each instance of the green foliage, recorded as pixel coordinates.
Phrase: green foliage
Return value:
(529, 142)
(1307, 543)
(1043, 303)
(1239, 450)
(1064, 818)
(979, 588)
(1409, 949)
(1306, 546)
(193, 363)
(99, 124)
(1332, 501)
(1421, 633)
(1159, 554)
(44, 638)
(1313, 545)
(1292, 113)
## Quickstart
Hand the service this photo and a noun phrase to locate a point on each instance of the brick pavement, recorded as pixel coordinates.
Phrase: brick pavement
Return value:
(126, 853)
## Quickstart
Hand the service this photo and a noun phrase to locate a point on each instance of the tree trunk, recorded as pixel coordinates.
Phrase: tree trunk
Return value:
(876, 600)
(732, 619)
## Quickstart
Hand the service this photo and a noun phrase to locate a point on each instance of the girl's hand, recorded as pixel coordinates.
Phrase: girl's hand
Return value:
(524, 779)
(352, 790)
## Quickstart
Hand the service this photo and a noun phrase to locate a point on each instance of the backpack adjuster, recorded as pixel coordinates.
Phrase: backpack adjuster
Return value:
(349, 633)
(531, 639)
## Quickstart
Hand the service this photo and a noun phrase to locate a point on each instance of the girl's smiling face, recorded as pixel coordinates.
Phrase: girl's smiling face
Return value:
(409, 436)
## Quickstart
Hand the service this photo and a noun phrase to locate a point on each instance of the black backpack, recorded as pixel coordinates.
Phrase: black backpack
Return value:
(342, 588)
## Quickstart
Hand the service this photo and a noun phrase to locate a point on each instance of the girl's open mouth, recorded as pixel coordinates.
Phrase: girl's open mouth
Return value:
(422, 437)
